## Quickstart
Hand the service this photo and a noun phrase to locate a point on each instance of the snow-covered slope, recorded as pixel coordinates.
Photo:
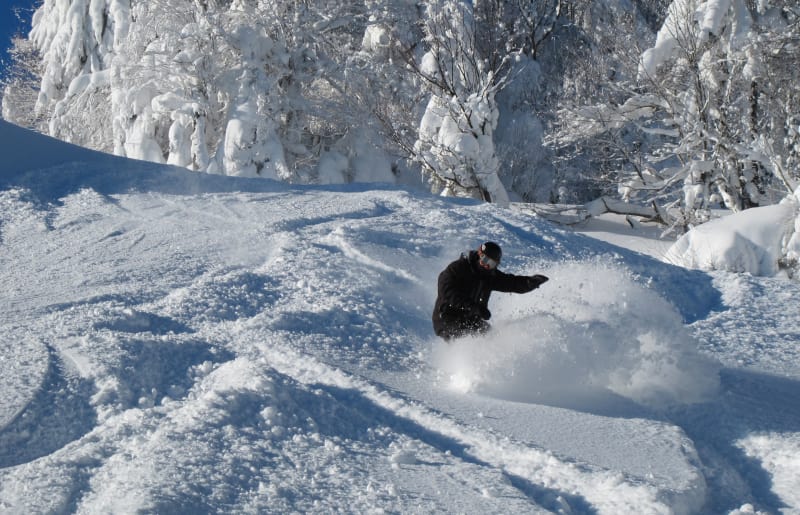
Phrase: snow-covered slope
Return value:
(179, 342)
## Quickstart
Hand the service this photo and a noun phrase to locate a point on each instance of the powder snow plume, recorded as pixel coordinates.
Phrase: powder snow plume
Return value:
(596, 332)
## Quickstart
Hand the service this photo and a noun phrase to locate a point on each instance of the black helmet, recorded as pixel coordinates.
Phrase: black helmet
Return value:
(490, 250)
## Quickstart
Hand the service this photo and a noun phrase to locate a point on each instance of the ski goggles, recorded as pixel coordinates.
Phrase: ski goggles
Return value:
(487, 262)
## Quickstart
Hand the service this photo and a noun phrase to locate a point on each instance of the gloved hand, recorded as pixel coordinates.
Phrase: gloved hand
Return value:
(537, 280)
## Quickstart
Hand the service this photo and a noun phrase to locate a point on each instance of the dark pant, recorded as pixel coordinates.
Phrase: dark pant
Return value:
(458, 327)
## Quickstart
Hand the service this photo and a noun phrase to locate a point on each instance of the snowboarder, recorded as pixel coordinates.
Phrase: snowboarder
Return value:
(464, 287)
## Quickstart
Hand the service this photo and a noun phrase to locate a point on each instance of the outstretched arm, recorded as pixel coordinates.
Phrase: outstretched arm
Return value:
(517, 283)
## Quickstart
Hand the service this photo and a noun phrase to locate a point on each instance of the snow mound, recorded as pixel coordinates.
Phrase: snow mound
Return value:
(756, 241)
(593, 332)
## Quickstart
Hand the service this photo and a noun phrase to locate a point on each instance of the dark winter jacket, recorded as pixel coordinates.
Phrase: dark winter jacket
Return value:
(464, 289)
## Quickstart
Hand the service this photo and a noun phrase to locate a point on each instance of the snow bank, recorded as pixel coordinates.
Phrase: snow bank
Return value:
(593, 332)
(755, 241)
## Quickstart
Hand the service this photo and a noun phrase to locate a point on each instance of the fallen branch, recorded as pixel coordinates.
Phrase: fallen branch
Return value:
(652, 213)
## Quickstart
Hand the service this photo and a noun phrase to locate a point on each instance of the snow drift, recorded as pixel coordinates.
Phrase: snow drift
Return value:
(760, 241)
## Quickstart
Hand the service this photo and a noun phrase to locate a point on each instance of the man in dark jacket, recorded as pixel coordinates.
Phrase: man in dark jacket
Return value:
(464, 289)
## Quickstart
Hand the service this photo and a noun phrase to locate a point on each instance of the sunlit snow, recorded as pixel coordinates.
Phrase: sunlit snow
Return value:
(181, 342)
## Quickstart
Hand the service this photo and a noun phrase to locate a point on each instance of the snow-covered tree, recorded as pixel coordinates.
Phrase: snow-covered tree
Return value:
(468, 92)
(244, 87)
(77, 41)
(196, 86)
(383, 94)
(20, 85)
(774, 101)
(594, 147)
(527, 35)
(704, 92)
(455, 143)
(493, 42)
(717, 91)
(329, 124)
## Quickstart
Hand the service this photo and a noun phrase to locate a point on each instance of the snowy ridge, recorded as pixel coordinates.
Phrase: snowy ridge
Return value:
(190, 343)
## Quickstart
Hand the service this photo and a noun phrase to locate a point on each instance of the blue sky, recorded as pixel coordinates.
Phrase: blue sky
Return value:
(9, 24)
